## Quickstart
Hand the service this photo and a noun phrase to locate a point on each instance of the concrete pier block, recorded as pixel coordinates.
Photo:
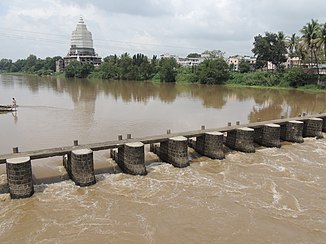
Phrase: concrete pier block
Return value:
(173, 151)
(313, 128)
(131, 158)
(292, 131)
(19, 176)
(241, 139)
(81, 167)
(210, 144)
(65, 161)
(324, 124)
(268, 135)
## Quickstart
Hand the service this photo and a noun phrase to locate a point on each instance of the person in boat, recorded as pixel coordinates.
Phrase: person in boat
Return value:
(14, 103)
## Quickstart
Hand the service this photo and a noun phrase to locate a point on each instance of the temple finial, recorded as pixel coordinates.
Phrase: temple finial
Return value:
(81, 21)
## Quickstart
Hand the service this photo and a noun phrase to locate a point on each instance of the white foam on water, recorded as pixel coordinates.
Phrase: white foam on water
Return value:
(149, 230)
(276, 195)
(8, 223)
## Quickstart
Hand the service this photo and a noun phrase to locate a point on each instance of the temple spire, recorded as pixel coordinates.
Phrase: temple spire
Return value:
(81, 21)
(81, 48)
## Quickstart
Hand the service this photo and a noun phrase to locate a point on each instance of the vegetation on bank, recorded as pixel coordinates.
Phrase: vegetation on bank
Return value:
(295, 78)
(310, 48)
(30, 65)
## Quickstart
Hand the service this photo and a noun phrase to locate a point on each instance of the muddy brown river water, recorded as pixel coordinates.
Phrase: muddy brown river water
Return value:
(276, 195)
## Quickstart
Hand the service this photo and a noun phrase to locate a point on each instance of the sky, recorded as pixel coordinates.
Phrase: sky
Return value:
(151, 27)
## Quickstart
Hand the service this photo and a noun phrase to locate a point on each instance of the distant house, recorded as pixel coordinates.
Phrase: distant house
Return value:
(167, 55)
(189, 61)
(186, 62)
(293, 62)
(235, 60)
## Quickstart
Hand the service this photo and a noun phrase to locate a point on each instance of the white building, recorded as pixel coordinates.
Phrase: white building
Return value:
(81, 48)
(187, 62)
(293, 62)
(235, 60)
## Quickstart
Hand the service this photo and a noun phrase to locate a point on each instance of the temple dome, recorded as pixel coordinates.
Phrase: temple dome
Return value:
(81, 37)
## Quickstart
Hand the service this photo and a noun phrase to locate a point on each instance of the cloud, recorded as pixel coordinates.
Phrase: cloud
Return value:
(150, 8)
(148, 26)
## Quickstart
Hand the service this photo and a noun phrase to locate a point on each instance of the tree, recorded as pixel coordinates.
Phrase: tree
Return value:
(108, 70)
(292, 46)
(86, 69)
(30, 63)
(6, 65)
(155, 64)
(300, 50)
(321, 40)
(270, 48)
(244, 66)
(49, 63)
(143, 66)
(193, 55)
(125, 64)
(212, 71)
(168, 71)
(214, 53)
(310, 34)
(279, 51)
(293, 42)
(125, 67)
(72, 69)
(76, 69)
(113, 59)
(262, 51)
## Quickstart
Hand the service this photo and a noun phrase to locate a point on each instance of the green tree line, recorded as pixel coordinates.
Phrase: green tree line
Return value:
(31, 65)
(309, 47)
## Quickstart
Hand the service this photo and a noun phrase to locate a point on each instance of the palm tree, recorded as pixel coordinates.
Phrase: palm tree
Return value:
(310, 33)
(292, 44)
(280, 49)
(300, 50)
(292, 41)
(321, 41)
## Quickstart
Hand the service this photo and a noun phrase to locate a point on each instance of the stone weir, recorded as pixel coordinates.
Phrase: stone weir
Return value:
(171, 148)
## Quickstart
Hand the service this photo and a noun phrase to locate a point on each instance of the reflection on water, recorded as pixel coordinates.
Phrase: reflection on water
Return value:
(54, 112)
(267, 101)
(272, 196)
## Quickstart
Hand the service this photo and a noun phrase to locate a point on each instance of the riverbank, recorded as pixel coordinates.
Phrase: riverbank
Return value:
(53, 74)
(288, 79)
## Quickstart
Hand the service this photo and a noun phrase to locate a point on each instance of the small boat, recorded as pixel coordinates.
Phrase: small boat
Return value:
(7, 108)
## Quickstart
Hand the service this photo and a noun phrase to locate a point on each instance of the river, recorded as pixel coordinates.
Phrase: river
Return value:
(276, 195)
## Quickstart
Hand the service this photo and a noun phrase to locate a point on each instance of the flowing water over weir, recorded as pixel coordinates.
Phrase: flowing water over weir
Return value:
(275, 195)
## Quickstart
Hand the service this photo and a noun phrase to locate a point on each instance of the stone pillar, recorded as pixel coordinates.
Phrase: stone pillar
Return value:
(65, 161)
(210, 144)
(173, 151)
(81, 167)
(313, 128)
(324, 124)
(268, 135)
(292, 131)
(131, 158)
(19, 176)
(241, 139)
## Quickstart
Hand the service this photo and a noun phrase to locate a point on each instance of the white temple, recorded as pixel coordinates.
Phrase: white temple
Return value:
(81, 37)
(81, 48)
